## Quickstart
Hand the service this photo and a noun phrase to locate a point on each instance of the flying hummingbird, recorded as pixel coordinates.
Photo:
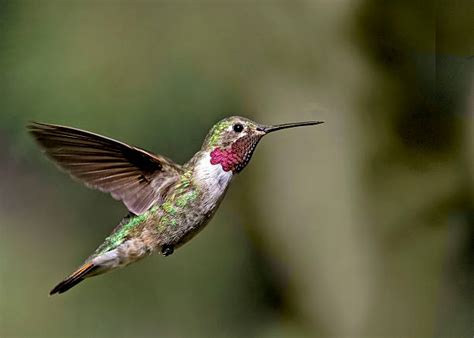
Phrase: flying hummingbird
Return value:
(168, 203)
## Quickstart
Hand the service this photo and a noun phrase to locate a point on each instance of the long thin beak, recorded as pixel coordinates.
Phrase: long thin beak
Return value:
(269, 129)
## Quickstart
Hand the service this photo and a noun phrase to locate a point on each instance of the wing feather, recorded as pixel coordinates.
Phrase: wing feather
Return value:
(135, 176)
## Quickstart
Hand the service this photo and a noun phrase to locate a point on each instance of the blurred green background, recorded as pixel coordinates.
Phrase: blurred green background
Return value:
(361, 227)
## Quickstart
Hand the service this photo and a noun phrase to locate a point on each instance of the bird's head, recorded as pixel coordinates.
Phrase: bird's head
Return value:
(232, 141)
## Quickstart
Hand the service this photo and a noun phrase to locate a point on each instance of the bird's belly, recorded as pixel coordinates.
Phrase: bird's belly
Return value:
(186, 224)
(126, 253)
(163, 227)
(182, 229)
(191, 231)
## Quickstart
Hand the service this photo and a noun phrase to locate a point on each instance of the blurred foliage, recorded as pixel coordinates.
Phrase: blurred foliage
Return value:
(361, 227)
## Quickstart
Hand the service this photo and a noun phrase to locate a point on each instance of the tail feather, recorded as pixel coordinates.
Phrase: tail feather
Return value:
(74, 279)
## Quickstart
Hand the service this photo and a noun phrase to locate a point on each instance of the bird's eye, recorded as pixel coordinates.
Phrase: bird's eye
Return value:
(238, 127)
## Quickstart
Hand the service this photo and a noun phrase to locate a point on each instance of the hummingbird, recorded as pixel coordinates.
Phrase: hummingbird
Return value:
(168, 203)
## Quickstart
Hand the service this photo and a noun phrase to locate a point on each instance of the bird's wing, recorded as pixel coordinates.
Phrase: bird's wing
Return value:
(136, 177)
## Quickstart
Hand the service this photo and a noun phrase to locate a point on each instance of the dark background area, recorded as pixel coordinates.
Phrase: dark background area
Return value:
(361, 227)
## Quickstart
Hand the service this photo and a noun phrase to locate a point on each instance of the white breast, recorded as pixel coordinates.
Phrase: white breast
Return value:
(211, 180)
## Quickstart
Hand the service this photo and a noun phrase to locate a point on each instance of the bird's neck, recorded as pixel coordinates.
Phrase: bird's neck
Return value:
(208, 176)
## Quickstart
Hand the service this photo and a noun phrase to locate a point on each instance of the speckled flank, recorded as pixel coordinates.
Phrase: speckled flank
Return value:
(122, 231)
(168, 214)
(184, 199)
(174, 204)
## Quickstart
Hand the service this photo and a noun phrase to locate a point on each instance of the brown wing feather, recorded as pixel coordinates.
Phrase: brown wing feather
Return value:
(133, 175)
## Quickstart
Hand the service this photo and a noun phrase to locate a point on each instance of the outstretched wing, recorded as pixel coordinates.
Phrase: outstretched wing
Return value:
(133, 175)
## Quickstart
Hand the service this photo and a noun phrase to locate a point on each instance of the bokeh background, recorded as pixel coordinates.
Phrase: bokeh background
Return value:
(361, 227)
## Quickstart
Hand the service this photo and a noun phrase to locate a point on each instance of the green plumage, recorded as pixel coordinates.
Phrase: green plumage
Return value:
(160, 216)
(129, 226)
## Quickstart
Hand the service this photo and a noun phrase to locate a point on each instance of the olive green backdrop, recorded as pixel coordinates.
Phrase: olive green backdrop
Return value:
(361, 227)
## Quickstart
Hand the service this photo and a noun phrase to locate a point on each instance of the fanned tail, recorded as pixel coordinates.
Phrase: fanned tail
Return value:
(74, 279)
